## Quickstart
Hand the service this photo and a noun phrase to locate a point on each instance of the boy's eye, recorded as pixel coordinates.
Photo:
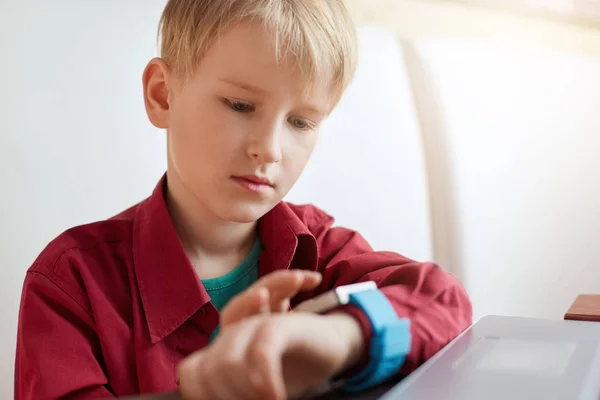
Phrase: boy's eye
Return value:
(300, 124)
(240, 106)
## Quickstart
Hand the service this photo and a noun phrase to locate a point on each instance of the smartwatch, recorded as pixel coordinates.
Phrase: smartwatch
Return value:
(391, 339)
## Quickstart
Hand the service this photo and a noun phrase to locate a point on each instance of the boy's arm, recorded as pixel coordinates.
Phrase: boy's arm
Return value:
(434, 300)
(57, 350)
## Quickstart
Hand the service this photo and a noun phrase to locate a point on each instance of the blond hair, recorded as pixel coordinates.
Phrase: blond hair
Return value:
(318, 34)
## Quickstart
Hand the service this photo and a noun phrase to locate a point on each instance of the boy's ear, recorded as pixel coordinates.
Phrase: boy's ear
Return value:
(157, 92)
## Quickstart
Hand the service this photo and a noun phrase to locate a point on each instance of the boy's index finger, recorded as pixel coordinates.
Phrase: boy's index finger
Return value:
(246, 304)
(283, 291)
(269, 294)
(286, 283)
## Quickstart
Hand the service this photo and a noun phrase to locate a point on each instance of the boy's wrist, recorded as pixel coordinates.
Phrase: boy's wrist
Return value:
(357, 328)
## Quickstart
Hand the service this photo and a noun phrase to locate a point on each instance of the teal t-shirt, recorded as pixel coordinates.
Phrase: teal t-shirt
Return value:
(223, 288)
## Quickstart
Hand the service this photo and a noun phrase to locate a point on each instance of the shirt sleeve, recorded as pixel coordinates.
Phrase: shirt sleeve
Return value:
(432, 299)
(58, 353)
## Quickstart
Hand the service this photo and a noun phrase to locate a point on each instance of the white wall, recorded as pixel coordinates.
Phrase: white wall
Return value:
(76, 145)
(513, 145)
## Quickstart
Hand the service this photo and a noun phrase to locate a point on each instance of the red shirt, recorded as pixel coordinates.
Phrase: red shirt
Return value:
(109, 309)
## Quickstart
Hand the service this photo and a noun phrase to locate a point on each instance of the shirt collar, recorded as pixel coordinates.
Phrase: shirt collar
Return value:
(170, 289)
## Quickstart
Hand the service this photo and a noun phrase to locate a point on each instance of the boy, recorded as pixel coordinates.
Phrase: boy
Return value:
(189, 289)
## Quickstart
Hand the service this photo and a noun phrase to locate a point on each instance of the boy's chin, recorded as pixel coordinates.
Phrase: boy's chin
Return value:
(245, 213)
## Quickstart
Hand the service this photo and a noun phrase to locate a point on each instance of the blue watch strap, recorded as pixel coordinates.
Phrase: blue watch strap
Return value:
(390, 343)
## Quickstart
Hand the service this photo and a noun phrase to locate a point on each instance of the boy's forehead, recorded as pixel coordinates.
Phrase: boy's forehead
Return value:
(245, 40)
(247, 56)
(249, 48)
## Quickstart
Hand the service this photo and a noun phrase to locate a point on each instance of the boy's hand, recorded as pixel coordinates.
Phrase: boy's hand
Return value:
(272, 357)
(272, 293)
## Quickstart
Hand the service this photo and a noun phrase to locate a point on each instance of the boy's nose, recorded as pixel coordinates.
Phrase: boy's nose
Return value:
(265, 145)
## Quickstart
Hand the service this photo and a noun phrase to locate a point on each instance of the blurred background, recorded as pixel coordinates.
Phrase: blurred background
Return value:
(470, 137)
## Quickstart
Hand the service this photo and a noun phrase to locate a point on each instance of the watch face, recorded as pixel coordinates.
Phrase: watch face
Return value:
(344, 292)
(333, 298)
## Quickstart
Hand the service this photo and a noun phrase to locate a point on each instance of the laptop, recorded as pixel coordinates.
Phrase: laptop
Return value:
(500, 358)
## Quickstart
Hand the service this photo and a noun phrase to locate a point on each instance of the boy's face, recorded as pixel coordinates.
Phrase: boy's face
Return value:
(240, 132)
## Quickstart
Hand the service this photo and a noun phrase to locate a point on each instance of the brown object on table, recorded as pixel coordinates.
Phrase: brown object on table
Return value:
(585, 308)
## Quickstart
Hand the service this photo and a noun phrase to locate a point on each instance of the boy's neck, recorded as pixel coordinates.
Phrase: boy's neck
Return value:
(214, 246)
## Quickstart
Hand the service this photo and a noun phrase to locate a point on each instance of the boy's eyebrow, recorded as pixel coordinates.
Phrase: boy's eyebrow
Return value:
(245, 86)
(314, 109)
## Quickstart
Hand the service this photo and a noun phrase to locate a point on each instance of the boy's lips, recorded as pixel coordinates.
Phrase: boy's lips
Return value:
(254, 183)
